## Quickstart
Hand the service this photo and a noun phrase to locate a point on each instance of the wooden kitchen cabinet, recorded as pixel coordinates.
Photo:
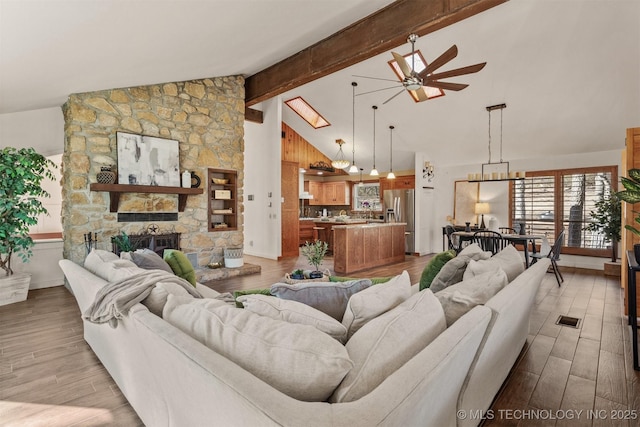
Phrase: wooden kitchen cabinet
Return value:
(316, 190)
(336, 193)
(306, 231)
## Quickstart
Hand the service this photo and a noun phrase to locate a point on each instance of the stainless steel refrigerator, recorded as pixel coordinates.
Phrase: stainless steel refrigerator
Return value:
(399, 206)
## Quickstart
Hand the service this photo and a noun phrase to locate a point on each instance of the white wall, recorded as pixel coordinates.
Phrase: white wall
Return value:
(41, 129)
(262, 156)
(497, 193)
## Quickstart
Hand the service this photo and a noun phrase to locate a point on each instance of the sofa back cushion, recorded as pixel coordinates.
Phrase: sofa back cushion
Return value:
(460, 298)
(387, 342)
(297, 360)
(147, 259)
(108, 266)
(453, 271)
(328, 297)
(294, 312)
(375, 300)
(507, 259)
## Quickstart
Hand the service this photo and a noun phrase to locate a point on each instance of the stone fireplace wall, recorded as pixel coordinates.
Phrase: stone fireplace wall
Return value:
(205, 116)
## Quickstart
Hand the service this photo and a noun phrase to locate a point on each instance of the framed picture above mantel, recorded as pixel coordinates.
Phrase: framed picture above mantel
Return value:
(148, 160)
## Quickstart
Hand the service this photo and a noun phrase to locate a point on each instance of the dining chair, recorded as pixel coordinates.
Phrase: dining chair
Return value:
(490, 241)
(454, 241)
(553, 253)
(507, 230)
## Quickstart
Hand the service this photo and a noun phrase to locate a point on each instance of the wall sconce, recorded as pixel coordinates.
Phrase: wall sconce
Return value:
(427, 171)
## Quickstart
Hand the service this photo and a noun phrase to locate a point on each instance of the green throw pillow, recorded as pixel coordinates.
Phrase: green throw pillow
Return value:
(237, 294)
(433, 267)
(180, 265)
(374, 280)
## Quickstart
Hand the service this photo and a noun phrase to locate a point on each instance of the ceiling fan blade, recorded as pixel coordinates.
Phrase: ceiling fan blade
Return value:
(402, 63)
(375, 78)
(446, 85)
(447, 56)
(393, 96)
(421, 94)
(378, 90)
(470, 69)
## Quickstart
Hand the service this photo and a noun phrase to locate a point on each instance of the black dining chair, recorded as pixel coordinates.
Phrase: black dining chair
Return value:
(507, 230)
(554, 255)
(454, 241)
(491, 241)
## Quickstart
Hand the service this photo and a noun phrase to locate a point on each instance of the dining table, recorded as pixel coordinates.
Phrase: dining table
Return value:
(516, 239)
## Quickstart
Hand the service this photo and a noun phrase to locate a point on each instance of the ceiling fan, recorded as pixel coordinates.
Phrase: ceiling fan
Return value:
(415, 81)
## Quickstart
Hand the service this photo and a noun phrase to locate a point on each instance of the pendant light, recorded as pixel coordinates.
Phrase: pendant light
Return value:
(340, 162)
(374, 171)
(391, 175)
(354, 168)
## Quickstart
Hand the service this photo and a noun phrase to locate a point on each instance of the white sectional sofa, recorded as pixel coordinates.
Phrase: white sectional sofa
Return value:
(170, 378)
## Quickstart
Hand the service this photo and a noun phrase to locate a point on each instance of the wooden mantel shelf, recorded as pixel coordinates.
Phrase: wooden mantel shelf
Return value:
(116, 189)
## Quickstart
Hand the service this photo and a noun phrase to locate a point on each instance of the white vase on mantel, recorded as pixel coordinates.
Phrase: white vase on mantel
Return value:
(14, 288)
(186, 179)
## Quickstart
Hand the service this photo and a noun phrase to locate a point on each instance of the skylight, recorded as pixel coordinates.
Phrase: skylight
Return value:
(307, 112)
(419, 65)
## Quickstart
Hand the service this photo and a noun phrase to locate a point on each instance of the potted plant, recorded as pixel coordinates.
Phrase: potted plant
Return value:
(315, 252)
(297, 274)
(607, 221)
(21, 174)
(631, 195)
(123, 242)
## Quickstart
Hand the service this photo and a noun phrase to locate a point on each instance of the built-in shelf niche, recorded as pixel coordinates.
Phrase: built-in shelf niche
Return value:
(223, 199)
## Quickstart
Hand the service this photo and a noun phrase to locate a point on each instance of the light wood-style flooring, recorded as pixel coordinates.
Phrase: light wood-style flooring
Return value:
(50, 377)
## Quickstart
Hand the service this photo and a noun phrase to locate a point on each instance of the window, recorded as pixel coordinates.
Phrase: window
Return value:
(307, 112)
(546, 202)
(366, 197)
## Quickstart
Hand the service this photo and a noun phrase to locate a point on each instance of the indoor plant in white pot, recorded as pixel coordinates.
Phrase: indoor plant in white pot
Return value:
(21, 174)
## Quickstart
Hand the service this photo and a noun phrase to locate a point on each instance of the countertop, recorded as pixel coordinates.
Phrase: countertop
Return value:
(371, 225)
(331, 220)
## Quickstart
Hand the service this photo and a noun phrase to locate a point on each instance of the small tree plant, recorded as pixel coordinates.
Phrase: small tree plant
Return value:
(315, 252)
(607, 221)
(21, 174)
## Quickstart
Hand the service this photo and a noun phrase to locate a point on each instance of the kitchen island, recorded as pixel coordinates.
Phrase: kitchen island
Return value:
(358, 247)
(324, 228)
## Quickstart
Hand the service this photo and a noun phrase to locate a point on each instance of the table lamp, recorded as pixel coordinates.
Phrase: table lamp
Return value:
(481, 209)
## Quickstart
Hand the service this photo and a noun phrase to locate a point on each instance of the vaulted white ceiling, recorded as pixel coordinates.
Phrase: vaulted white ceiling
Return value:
(569, 71)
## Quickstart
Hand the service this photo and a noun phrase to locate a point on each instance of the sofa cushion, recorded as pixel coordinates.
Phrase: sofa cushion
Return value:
(507, 259)
(157, 299)
(147, 259)
(109, 267)
(458, 299)
(294, 312)
(180, 265)
(387, 342)
(453, 271)
(374, 280)
(330, 298)
(375, 300)
(434, 266)
(298, 360)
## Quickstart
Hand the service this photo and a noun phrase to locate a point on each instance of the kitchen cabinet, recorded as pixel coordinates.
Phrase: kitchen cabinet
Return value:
(329, 193)
(316, 190)
(305, 233)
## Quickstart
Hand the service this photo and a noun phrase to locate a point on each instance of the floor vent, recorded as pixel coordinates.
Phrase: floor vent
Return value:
(574, 322)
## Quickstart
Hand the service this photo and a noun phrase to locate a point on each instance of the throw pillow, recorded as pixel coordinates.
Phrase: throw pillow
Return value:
(374, 280)
(294, 312)
(460, 298)
(375, 300)
(237, 294)
(180, 265)
(330, 298)
(453, 271)
(507, 259)
(434, 266)
(109, 267)
(387, 342)
(147, 259)
(298, 360)
(94, 262)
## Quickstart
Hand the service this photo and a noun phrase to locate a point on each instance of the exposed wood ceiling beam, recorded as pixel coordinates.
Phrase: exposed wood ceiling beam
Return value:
(377, 33)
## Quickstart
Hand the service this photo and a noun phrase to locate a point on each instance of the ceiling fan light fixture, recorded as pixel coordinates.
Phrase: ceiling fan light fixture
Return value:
(340, 162)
